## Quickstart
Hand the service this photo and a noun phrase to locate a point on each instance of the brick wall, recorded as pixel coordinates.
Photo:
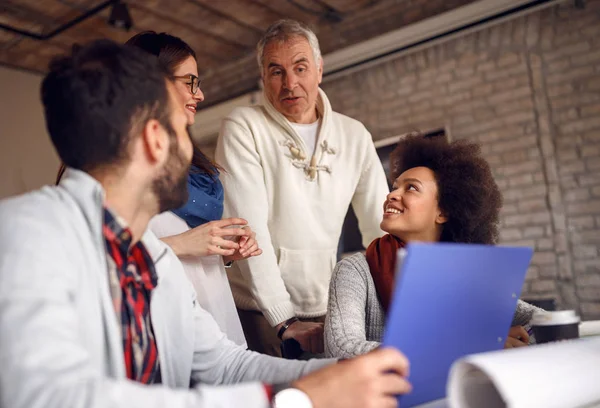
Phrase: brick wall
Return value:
(528, 90)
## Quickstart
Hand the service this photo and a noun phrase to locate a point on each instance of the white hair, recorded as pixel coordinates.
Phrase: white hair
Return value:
(284, 30)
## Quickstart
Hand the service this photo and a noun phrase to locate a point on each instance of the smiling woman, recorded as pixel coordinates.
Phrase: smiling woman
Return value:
(179, 60)
(442, 192)
(195, 232)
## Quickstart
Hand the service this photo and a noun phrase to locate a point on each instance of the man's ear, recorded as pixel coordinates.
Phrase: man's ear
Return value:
(320, 67)
(155, 141)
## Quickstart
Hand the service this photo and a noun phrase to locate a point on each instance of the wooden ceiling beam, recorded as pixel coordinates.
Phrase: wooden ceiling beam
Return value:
(256, 15)
(288, 10)
(208, 5)
(24, 12)
(177, 20)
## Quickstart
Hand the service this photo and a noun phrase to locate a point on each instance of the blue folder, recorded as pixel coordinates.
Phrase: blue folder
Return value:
(451, 300)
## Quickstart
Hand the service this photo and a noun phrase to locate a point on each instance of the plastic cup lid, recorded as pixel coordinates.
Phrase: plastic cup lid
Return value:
(545, 318)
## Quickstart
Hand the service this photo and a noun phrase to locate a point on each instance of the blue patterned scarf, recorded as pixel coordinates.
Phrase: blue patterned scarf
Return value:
(205, 202)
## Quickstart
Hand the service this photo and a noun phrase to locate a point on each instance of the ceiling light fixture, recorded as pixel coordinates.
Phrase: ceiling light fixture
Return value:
(120, 17)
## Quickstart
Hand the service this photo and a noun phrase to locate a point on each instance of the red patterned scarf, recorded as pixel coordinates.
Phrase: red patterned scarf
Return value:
(381, 257)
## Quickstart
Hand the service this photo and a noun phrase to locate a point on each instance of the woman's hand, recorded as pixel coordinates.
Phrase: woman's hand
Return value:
(248, 247)
(212, 238)
(517, 337)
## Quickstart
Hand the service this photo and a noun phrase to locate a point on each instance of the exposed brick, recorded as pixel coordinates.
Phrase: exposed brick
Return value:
(544, 258)
(530, 243)
(585, 251)
(566, 115)
(527, 90)
(544, 244)
(520, 117)
(590, 110)
(578, 98)
(588, 236)
(528, 166)
(509, 209)
(535, 204)
(510, 234)
(590, 310)
(540, 218)
(577, 195)
(581, 125)
(567, 154)
(559, 90)
(456, 97)
(533, 232)
(573, 167)
(516, 144)
(586, 58)
(510, 95)
(516, 82)
(592, 163)
(543, 286)
(511, 106)
(502, 74)
(467, 83)
(589, 294)
(520, 179)
(588, 207)
(587, 265)
(521, 193)
(570, 75)
(588, 179)
(482, 90)
(514, 157)
(548, 272)
(559, 65)
(572, 49)
(532, 273)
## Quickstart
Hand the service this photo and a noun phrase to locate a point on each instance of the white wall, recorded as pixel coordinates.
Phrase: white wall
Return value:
(27, 158)
(208, 121)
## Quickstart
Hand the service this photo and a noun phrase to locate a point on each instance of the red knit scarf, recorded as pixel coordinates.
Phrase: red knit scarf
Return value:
(381, 257)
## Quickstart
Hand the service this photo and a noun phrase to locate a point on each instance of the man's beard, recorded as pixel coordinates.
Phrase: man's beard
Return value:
(170, 188)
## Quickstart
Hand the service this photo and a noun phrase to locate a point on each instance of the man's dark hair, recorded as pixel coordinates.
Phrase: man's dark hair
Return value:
(467, 193)
(96, 99)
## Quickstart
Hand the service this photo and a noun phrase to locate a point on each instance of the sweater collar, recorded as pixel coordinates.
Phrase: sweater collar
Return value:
(323, 108)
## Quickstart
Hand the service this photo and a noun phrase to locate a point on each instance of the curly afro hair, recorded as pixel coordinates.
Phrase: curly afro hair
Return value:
(467, 193)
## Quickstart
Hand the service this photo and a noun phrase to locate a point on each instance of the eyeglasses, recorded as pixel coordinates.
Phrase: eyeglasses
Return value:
(192, 80)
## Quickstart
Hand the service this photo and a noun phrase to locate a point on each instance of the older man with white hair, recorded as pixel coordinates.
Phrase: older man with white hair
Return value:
(292, 168)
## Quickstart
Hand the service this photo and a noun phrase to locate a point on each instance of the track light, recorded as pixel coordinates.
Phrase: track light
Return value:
(120, 17)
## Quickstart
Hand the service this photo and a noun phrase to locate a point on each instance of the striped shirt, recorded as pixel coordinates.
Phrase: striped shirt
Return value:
(132, 278)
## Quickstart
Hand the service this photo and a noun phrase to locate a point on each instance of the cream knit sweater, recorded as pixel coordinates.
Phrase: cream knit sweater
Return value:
(296, 204)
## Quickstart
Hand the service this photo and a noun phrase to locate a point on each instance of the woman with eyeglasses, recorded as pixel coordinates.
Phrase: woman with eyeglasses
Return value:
(204, 242)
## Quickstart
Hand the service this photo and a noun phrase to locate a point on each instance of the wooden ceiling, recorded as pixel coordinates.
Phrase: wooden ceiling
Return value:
(222, 32)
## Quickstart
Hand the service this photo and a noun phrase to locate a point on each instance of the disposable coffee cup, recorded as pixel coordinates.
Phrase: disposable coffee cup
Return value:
(555, 326)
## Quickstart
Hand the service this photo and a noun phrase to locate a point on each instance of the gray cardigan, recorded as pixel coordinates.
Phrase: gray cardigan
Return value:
(355, 318)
